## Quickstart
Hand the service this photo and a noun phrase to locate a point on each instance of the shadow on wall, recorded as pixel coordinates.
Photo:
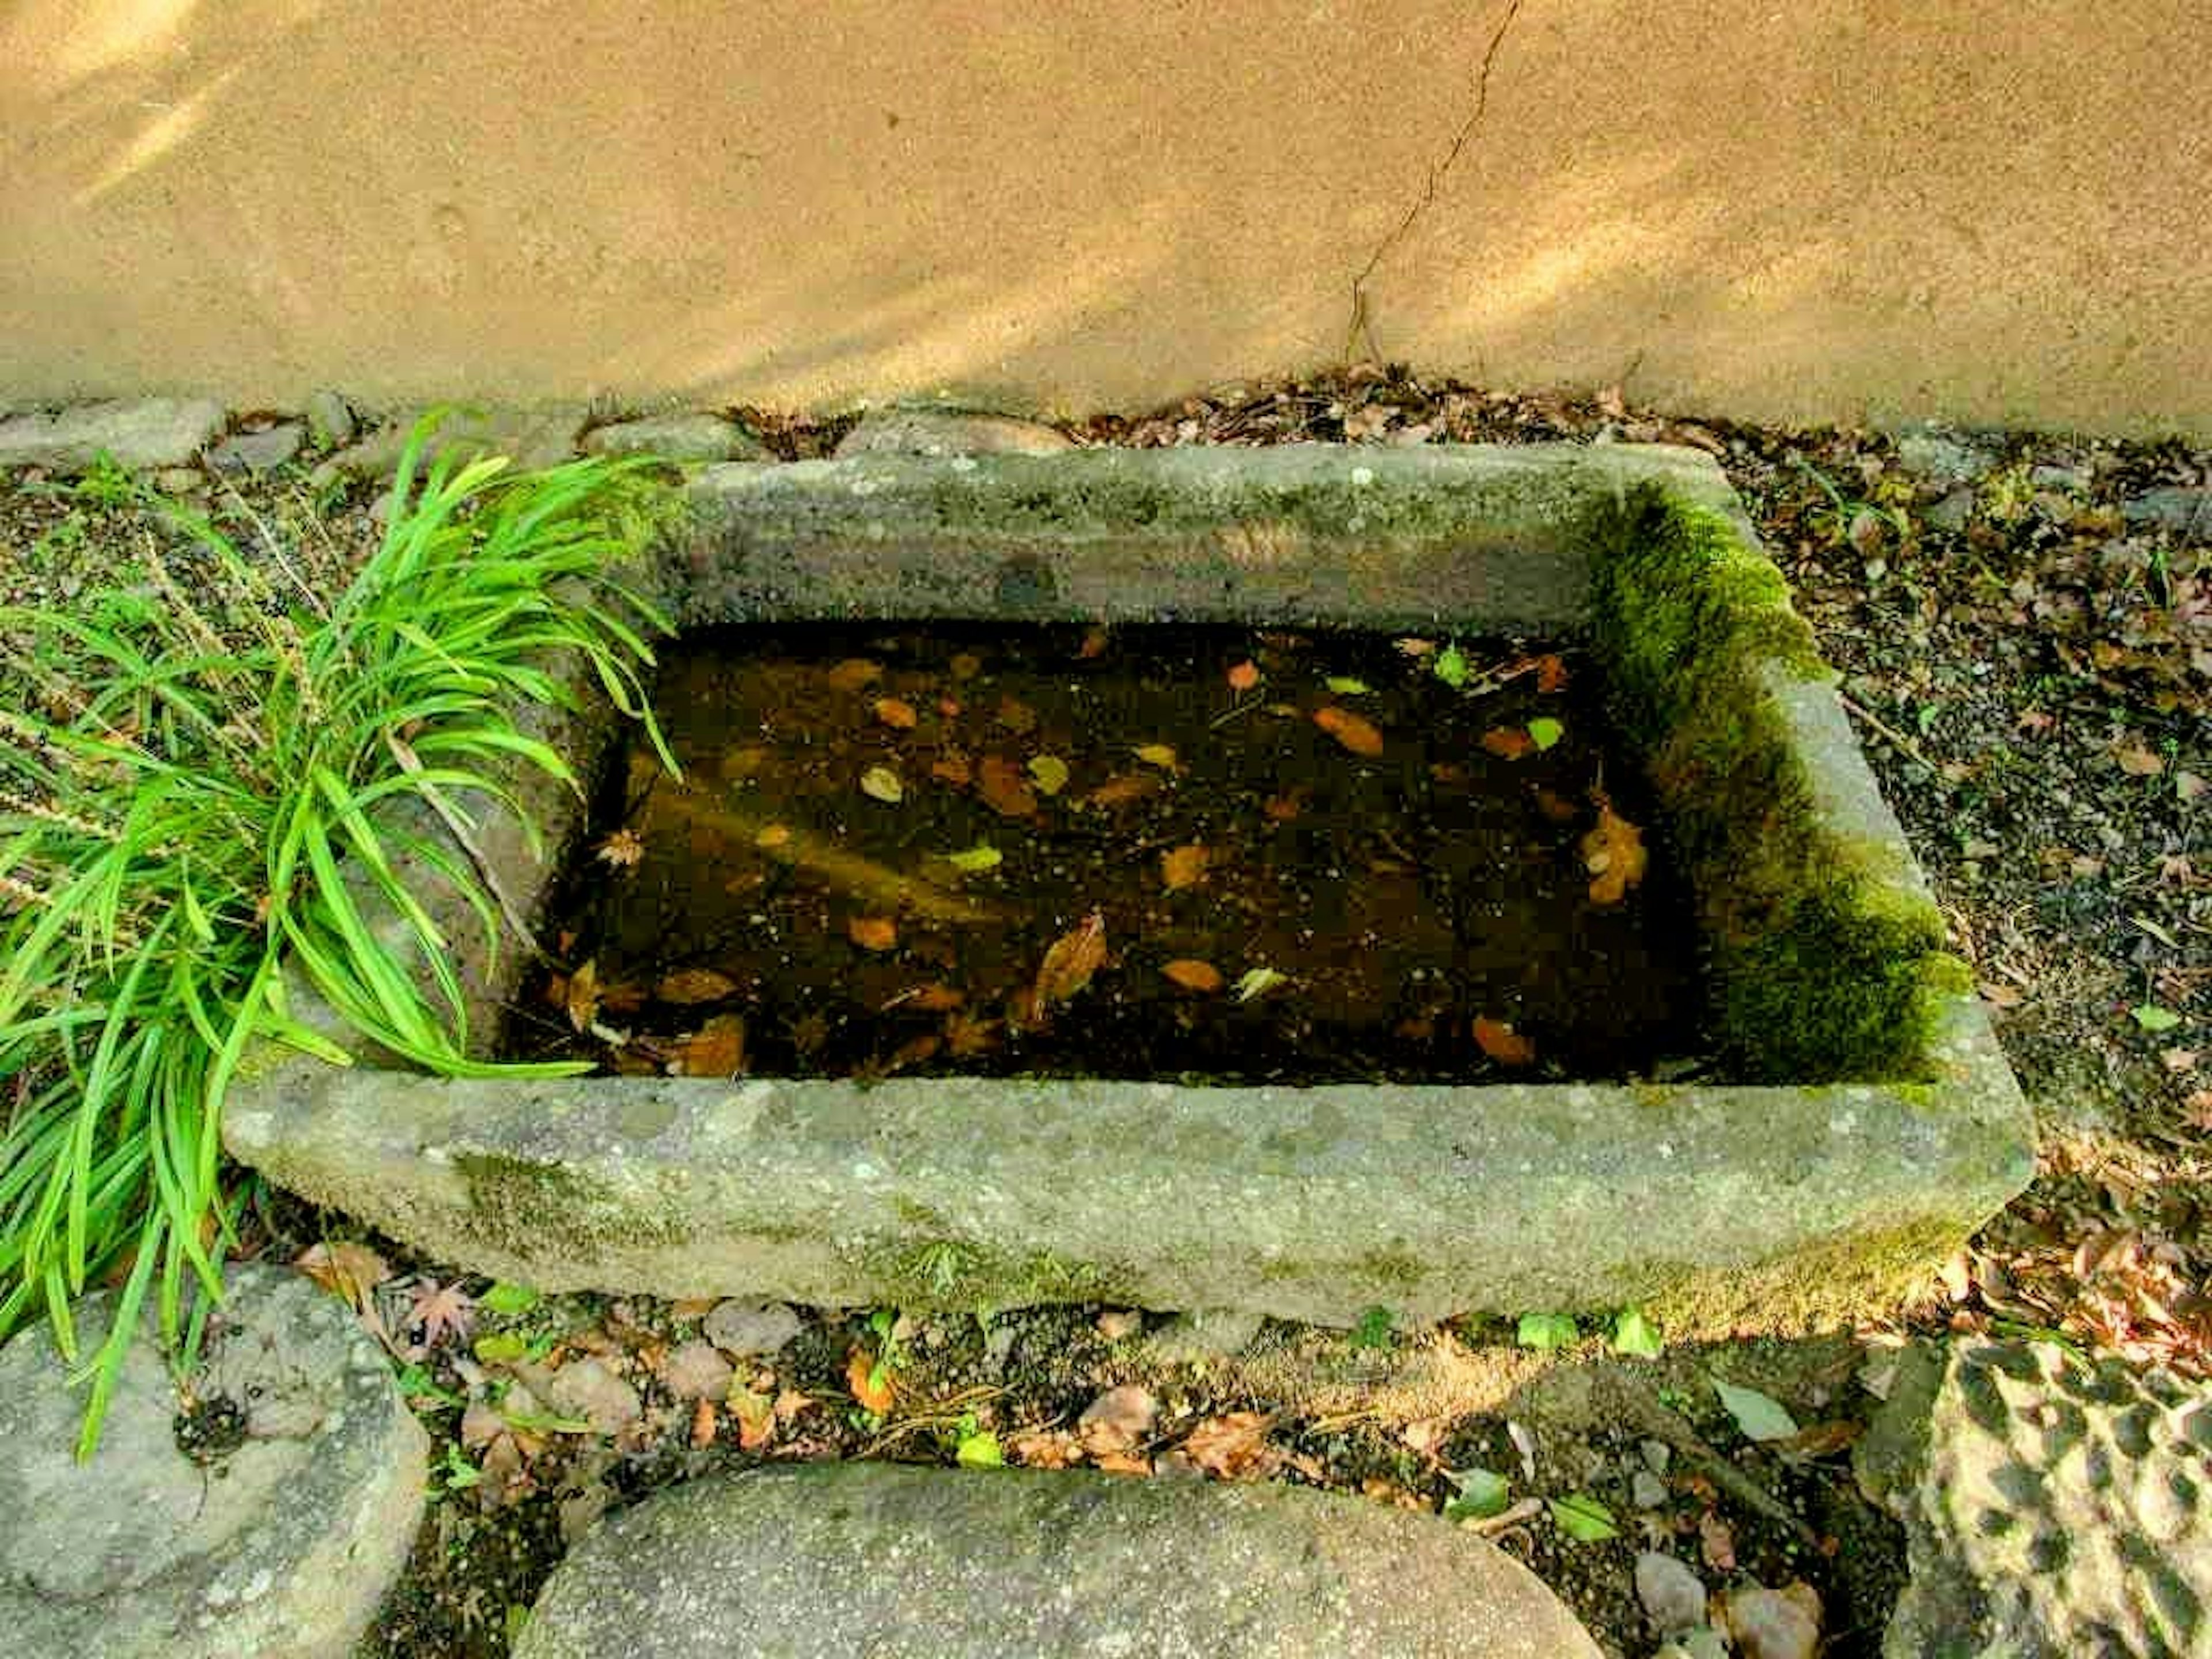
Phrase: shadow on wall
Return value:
(1774, 212)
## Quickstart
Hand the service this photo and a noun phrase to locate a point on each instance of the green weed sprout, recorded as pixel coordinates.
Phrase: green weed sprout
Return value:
(194, 791)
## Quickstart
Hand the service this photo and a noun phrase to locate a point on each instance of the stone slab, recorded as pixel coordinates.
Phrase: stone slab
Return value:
(535, 437)
(141, 435)
(949, 432)
(835, 1560)
(697, 437)
(279, 1542)
(2052, 1508)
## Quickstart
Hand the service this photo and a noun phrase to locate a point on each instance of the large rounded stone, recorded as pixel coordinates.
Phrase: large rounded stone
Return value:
(829, 1561)
(276, 1537)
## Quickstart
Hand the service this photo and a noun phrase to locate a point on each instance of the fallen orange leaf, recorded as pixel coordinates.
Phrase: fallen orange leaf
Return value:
(1004, 788)
(927, 999)
(1614, 854)
(702, 1424)
(583, 998)
(1355, 732)
(773, 835)
(1244, 676)
(1122, 788)
(1551, 673)
(1502, 1042)
(716, 1049)
(349, 1270)
(1233, 1447)
(756, 1418)
(870, 1384)
(1508, 742)
(1184, 866)
(1201, 976)
(1069, 965)
(621, 850)
(872, 933)
(951, 766)
(854, 672)
(689, 985)
(897, 714)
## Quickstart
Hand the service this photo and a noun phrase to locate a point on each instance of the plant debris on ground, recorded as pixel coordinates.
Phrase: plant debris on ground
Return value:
(2024, 627)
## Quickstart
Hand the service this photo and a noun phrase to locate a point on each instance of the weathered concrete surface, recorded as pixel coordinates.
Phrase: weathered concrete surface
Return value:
(1821, 209)
(949, 432)
(280, 1544)
(836, 1560)
(1771, 1207)
(2051, 1508)
(693, 437)
(1470, 536)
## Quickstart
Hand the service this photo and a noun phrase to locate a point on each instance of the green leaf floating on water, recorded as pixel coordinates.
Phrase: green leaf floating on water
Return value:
(1759, 1416)
(1582, 1518)
(1050, 773)
(1481, 1494)
(1346, 686)
(1544, 732)
(1451, 667)
(1258, 981)
(975, 859)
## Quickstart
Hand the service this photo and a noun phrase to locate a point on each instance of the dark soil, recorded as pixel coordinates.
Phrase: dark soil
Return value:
(1267, 901)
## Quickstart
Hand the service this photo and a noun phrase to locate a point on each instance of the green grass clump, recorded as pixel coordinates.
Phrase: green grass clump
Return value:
(194, 790)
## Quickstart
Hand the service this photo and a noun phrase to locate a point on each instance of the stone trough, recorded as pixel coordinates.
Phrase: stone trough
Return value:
(1866, 1125)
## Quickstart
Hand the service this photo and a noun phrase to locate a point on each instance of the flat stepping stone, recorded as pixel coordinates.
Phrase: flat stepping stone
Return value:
(676, 438)
(140, 435)
(278, 1542)
(2050, 1510)
(834, 1561)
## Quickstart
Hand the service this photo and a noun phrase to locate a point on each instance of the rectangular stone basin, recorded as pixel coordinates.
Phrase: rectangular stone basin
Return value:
(1866, 1125)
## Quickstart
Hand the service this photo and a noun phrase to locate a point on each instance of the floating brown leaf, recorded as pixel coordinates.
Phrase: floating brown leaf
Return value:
(1614, 854)
(716, 1049)
(1016, 716)
(1184, 866)
(1356, 732)
(1069, 965)
(1551, 673)
(966, 1036)
(872, 933)
(582, 1000)
(1201, 976)
(966, 665)
(1005, 788)
(1508, 742)
(1095, 641)
(1233, 1447)
(897, 714)
(1244, 676)
(854, 672)
(1122, 788)
(1502, 1042)
(1161, 755)
(951, 766)
(869, 1382)
(773, 835)
(344, 1269)
(687, 986)
(1286, 807)
(623, 850)
(927, 999)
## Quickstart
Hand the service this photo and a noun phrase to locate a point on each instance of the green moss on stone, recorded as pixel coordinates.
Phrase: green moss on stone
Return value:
(961, 1274)
(1816, 1286)
(531, 1209)
(1827, 958)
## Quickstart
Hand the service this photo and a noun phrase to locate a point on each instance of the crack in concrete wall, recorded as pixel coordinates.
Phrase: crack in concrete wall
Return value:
(1361, 320)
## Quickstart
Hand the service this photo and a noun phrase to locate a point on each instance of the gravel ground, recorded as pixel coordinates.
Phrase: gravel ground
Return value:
(2025, 626)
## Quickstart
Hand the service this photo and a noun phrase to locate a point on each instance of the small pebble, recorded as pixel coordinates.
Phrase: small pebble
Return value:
(1674, 1596)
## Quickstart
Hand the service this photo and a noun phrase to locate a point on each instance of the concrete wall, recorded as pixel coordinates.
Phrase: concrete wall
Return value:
(1988, 210)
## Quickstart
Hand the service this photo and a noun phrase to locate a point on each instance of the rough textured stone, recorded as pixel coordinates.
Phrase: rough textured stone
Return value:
(531, 437)
(676, 438)
(1674, 1596)
(259, 452)
(741, 1327)
(1787, 1205)
(152, 432)
(2186, 512)
(836, 1560)
(935, 432)
(1944, 459)
(2050, 1510)
(281, 1547)
(330, 420)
